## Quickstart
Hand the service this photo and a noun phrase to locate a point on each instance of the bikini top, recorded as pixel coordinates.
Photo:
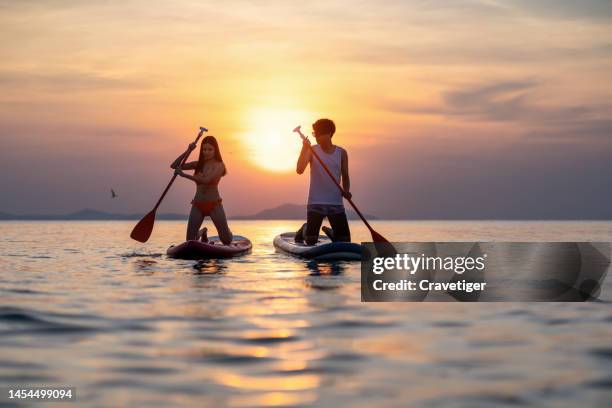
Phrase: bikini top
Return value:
(215, 182)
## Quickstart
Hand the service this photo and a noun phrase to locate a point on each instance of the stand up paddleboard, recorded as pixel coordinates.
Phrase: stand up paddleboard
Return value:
(323, 250)
(214, 248)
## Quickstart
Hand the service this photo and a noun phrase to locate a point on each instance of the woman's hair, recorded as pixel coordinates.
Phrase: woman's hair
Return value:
(213, 142)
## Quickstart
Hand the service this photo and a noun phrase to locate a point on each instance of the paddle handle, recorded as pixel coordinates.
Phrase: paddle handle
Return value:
(202, 130)
(329, 173)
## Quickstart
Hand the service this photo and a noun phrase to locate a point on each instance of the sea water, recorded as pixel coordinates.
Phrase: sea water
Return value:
(82, 305)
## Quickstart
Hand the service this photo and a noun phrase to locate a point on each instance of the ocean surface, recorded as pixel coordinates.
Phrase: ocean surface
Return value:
(83, 305)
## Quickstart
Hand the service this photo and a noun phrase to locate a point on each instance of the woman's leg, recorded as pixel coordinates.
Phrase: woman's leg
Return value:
(218, 217)
(203, 235)
(195, 221)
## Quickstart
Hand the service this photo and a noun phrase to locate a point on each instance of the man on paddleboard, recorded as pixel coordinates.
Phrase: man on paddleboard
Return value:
(324, 197)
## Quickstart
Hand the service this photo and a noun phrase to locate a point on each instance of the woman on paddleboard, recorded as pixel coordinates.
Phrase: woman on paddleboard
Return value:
(207, 202)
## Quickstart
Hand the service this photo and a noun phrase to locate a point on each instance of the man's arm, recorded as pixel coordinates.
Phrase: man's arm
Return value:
(305, 156)
(346, 180)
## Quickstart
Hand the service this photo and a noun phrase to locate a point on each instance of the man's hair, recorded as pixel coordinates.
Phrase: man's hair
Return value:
(323, 126)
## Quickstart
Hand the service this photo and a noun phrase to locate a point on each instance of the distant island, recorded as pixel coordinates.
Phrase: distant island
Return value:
(282, 212)
(291, 212)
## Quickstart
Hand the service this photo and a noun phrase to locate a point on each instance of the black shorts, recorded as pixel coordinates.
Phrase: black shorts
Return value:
(338, 223)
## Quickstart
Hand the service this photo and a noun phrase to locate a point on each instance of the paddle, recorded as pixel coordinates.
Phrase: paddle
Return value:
(376, 237)
(142, 230)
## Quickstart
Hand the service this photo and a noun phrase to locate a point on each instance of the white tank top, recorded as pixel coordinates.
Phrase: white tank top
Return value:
(322, 188)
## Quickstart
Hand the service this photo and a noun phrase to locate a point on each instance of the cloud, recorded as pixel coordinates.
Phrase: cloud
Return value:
(40, 138)
(468, 53)
(67, 81)
(568, 9)
(576, 130)
(506, 101)
(500, 101)
(496, 101)
(397, 55)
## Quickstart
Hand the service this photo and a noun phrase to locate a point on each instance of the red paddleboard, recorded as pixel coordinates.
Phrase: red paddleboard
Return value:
(214, 248)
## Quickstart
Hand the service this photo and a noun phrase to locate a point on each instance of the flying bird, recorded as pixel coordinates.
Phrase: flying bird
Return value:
(113, 194)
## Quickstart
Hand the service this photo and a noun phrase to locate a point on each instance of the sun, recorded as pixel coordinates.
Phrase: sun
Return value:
(270, 142)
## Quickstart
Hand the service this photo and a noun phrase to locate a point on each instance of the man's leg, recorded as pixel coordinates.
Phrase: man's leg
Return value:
(328, 231)
(340, 227)
(313, 224)
(299, 234)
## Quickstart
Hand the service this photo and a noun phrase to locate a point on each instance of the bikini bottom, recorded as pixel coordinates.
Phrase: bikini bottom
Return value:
(206, 207)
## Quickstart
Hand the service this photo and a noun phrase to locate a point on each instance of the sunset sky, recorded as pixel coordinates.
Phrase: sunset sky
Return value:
(447, 108)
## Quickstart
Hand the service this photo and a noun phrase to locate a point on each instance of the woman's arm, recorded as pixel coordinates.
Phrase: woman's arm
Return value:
(215, 173)
(178, 160)
(190, 166)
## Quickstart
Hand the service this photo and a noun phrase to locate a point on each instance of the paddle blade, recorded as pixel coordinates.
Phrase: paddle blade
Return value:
(142, 230)
(382, 245)
(376, 237)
